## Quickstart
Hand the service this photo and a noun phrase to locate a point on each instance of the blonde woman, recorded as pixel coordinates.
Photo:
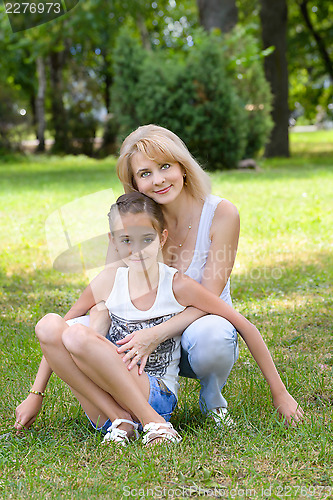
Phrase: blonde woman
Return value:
(202, 241)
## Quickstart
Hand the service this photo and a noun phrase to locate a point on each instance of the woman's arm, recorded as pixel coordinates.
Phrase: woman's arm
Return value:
(189, 292)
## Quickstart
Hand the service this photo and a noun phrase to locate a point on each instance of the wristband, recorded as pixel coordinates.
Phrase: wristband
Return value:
(38, 393)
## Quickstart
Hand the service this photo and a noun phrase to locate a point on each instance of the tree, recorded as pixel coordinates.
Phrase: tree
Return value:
(274, 32)
(221, 14)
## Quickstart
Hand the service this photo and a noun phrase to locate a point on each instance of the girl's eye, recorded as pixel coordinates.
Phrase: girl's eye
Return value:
(125, 240)
(165, 166)
(144, 174)
(148, 240)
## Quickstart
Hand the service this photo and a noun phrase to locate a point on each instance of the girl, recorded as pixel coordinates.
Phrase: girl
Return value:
(144, 293)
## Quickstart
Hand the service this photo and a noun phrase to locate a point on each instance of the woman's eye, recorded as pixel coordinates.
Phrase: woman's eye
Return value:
(145, 174)
(148, 240)
(166, 165)
(126, 241)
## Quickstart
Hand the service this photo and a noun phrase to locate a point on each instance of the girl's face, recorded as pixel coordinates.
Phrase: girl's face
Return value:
(136, 240)
(163, 182)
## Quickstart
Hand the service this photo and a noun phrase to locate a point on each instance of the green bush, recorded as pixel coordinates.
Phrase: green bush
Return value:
(193, 93)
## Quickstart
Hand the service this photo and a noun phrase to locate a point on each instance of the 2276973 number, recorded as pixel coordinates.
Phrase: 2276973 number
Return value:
(32, 8)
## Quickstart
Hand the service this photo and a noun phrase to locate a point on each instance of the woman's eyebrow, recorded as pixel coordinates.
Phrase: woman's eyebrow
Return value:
(142, 169)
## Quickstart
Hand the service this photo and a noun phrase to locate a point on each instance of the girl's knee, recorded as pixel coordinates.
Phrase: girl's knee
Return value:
(75, 338)
(49, 328)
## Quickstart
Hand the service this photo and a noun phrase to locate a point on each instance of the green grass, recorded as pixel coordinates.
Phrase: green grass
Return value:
(282, 282)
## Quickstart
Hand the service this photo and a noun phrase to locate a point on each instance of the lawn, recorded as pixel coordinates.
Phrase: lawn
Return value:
(282, 282)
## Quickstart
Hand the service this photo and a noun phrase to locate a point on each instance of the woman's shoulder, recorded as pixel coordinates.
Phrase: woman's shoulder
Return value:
(227, 216)
(225, 209)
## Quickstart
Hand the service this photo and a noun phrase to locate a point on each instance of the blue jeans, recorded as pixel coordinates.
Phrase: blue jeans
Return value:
(209, 351)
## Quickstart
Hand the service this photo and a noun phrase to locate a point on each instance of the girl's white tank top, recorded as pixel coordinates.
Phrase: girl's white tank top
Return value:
(163, 363)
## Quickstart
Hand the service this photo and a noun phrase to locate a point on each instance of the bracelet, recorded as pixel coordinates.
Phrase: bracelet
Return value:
(38, 393)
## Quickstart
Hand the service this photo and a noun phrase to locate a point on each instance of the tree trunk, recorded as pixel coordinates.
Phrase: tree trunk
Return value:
(40, 103)
(274, 32)
(143, 32)
(58, 110)
(221, 14)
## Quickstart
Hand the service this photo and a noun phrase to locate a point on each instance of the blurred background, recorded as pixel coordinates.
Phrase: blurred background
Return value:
(230, 78)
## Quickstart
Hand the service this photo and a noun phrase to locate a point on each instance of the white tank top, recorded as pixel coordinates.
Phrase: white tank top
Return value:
(202, 245)
(163, 363)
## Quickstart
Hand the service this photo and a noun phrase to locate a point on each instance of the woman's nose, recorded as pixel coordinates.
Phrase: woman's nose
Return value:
(158, 178)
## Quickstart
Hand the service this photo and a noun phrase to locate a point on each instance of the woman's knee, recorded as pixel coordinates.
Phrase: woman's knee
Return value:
(209, 330)
(49, 328)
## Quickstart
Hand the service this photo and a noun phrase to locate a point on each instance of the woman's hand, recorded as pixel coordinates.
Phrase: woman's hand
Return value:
(288, 408)
(26, 413)
(139, 345)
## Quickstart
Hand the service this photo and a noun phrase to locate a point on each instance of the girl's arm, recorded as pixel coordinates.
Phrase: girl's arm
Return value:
(26, 413)
(189, 292)
(145, 341)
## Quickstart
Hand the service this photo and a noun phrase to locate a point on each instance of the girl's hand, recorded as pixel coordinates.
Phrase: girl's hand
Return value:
(26, 413)
(139, 345)
(288, 408)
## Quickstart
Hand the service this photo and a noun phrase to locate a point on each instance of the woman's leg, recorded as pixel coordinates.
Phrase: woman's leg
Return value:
(209, 351)
(90, 365)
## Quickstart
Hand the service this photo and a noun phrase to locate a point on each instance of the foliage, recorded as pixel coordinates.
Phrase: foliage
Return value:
(213, 95)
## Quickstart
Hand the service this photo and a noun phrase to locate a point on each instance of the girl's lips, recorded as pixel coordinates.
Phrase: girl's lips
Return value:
(163, 191)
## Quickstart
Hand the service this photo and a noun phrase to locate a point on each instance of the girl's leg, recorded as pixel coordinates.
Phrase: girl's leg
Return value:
(210, 350)
(90, 365)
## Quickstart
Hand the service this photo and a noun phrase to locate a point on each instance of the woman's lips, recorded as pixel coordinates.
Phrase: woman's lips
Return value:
(163, 191)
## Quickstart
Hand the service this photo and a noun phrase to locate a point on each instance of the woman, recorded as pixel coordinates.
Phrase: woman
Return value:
(203, 233)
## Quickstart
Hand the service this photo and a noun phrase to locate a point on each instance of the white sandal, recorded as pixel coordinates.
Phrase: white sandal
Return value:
(163, 430)
(119, 435)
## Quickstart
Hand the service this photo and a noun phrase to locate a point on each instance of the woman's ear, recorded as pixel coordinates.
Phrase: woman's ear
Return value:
(163, 237)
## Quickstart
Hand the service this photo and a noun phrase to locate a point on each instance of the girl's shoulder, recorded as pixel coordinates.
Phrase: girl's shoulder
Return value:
(103, 283)
(182, 287)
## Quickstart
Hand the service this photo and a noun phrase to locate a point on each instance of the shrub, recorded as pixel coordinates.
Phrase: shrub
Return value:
(194, 94)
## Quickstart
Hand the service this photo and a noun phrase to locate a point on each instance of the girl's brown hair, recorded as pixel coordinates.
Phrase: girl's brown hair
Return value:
(137, 203)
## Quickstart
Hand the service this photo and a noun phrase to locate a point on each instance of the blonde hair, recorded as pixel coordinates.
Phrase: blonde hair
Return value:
(161, 145)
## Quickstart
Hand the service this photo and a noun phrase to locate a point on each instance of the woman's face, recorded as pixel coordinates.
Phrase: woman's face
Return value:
(163, 182)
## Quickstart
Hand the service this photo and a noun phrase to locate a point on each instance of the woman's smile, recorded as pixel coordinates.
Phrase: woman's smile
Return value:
(164, 190)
